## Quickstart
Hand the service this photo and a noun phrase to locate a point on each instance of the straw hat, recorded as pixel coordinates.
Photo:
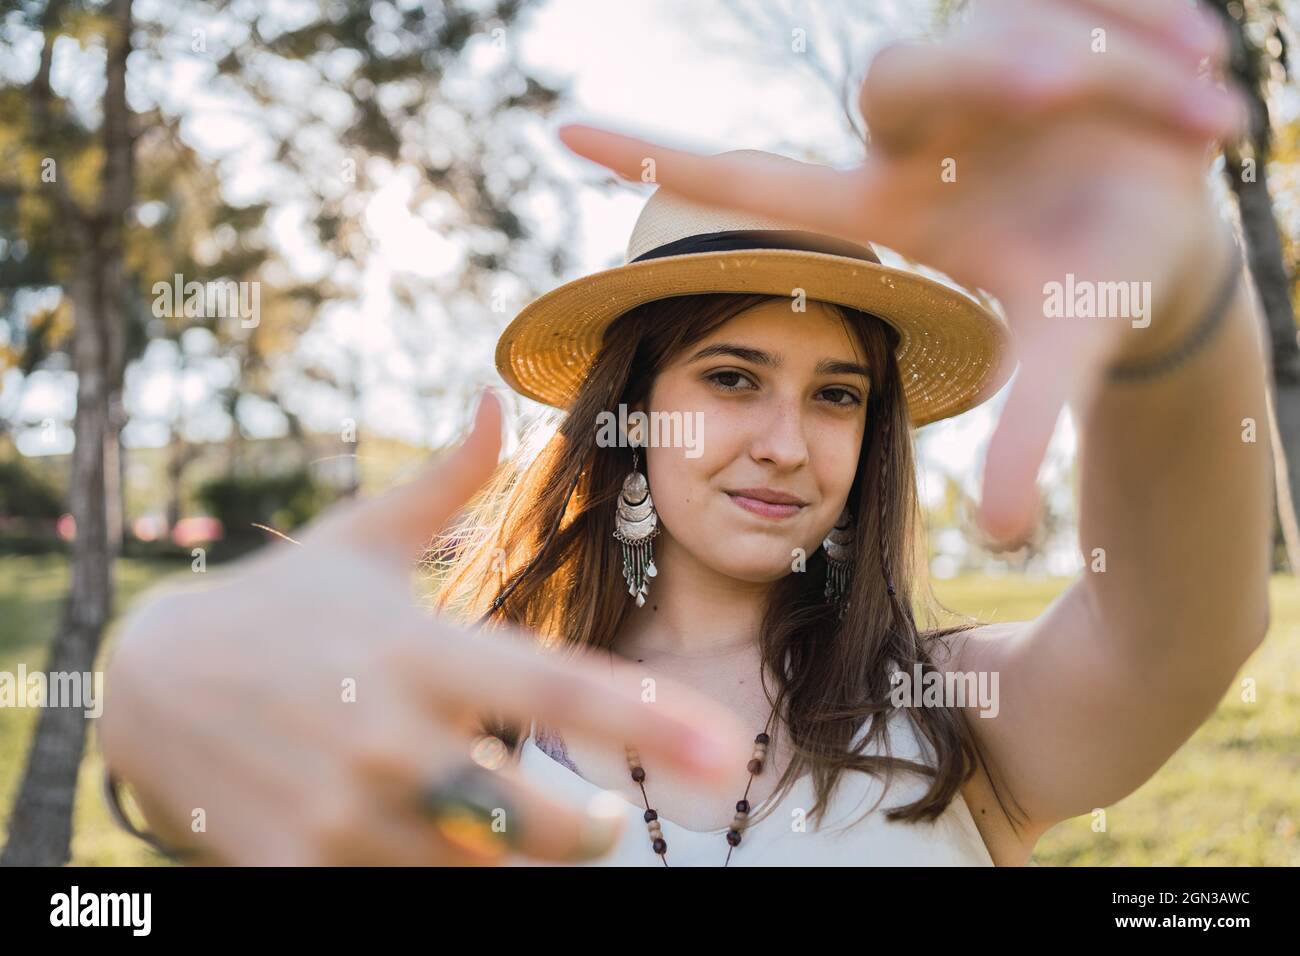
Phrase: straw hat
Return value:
(952, 353)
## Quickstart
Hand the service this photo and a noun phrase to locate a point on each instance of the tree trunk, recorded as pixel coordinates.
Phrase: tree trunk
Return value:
(1250, 65)
(115, 472)
(176, 457)
(40, 827)
(1268, 270)
(1269, 274)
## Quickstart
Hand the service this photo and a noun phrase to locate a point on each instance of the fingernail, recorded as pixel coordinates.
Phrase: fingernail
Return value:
(507, 418)
(602, 824)
(478, 402)
(471, 420)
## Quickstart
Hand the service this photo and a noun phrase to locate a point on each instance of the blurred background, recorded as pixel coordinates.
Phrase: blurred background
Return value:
(255, 257)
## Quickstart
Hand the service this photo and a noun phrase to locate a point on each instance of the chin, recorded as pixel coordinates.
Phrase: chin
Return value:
(745, 566)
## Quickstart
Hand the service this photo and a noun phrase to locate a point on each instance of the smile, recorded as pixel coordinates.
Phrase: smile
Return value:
(766, 509)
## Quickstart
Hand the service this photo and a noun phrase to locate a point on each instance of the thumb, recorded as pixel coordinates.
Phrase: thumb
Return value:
(401, 521)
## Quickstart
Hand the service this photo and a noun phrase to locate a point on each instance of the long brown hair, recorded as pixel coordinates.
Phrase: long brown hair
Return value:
(536, 549)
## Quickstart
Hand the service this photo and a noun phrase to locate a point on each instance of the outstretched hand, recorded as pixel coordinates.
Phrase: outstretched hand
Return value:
(299, 704)
(1062, 137)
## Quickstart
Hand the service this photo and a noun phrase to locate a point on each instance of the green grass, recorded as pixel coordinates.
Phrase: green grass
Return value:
(1231, 795)
(31, 594)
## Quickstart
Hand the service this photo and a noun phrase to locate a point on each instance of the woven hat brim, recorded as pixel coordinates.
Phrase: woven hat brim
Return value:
(953, 353)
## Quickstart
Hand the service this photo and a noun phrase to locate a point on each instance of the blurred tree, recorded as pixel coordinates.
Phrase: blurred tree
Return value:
(79, 189)
(1259, 30)
(237, 124)
(828, 40)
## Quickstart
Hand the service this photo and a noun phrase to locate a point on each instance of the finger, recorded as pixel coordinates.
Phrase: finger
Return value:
(526, 819)
(915, 93)
(836, 202)
(400, 522)
(912, 90)
(505, 673)
(388, 756)
(1137, 76)
(1187, 29)
(540, 827)
(376, 836)
(1009, 496)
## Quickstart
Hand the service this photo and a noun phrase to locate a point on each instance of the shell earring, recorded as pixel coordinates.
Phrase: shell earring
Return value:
(839, 557)
(635, 524)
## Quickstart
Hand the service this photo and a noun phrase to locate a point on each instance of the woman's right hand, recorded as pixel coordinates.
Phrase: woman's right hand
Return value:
(291, 708)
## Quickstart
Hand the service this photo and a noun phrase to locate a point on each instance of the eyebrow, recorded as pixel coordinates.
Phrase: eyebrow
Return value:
(768, 360)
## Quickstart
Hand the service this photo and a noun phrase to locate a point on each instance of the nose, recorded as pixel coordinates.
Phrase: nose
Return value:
(780, 437)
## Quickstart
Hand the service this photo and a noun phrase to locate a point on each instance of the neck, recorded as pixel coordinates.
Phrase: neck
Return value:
(693, 611)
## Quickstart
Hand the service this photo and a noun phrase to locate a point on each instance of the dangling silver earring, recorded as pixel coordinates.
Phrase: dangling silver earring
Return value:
(839, 558)
(635, 524)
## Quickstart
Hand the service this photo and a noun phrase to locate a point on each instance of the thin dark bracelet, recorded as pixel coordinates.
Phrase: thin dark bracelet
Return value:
(113, 798)
(1140, 370)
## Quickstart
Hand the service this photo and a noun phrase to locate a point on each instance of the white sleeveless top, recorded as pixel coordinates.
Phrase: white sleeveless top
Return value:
(787, 836)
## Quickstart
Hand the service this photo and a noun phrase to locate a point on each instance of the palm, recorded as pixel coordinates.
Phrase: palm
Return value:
(1082, 198)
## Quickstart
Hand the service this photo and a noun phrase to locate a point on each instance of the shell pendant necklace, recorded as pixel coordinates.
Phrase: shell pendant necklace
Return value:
(738, 822)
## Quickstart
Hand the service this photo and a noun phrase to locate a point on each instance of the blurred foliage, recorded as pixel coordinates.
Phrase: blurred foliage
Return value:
(339, 99)
(242, 502)
(26, 493)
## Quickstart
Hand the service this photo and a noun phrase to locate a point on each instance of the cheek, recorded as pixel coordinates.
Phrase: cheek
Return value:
(679, 484)
(833, 450)
(835, 461)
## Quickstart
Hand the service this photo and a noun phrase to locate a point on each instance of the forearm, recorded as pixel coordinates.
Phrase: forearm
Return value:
(1176, 486)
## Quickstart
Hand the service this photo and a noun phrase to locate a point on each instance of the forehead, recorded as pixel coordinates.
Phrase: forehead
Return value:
(775, 326)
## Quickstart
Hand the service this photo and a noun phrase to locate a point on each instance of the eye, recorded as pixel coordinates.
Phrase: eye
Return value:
(717, 377)
(848, 398)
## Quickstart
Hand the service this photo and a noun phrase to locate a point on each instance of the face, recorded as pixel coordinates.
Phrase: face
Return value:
(781, 398)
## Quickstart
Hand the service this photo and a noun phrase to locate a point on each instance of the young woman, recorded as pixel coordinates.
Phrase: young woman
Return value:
(743, 603)
(771, 566)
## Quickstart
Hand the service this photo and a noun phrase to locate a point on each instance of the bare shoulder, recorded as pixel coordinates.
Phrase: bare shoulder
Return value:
(965, 650)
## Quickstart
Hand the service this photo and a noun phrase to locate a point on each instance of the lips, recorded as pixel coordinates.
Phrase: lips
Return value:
(770, 495)
(767, 502)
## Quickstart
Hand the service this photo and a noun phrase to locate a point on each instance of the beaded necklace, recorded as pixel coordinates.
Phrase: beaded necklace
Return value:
(738, 822)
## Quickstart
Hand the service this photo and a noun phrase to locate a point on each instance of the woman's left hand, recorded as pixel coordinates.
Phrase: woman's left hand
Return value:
(1038, 140)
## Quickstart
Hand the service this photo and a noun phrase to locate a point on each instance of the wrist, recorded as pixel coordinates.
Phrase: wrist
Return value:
(1182, 304)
